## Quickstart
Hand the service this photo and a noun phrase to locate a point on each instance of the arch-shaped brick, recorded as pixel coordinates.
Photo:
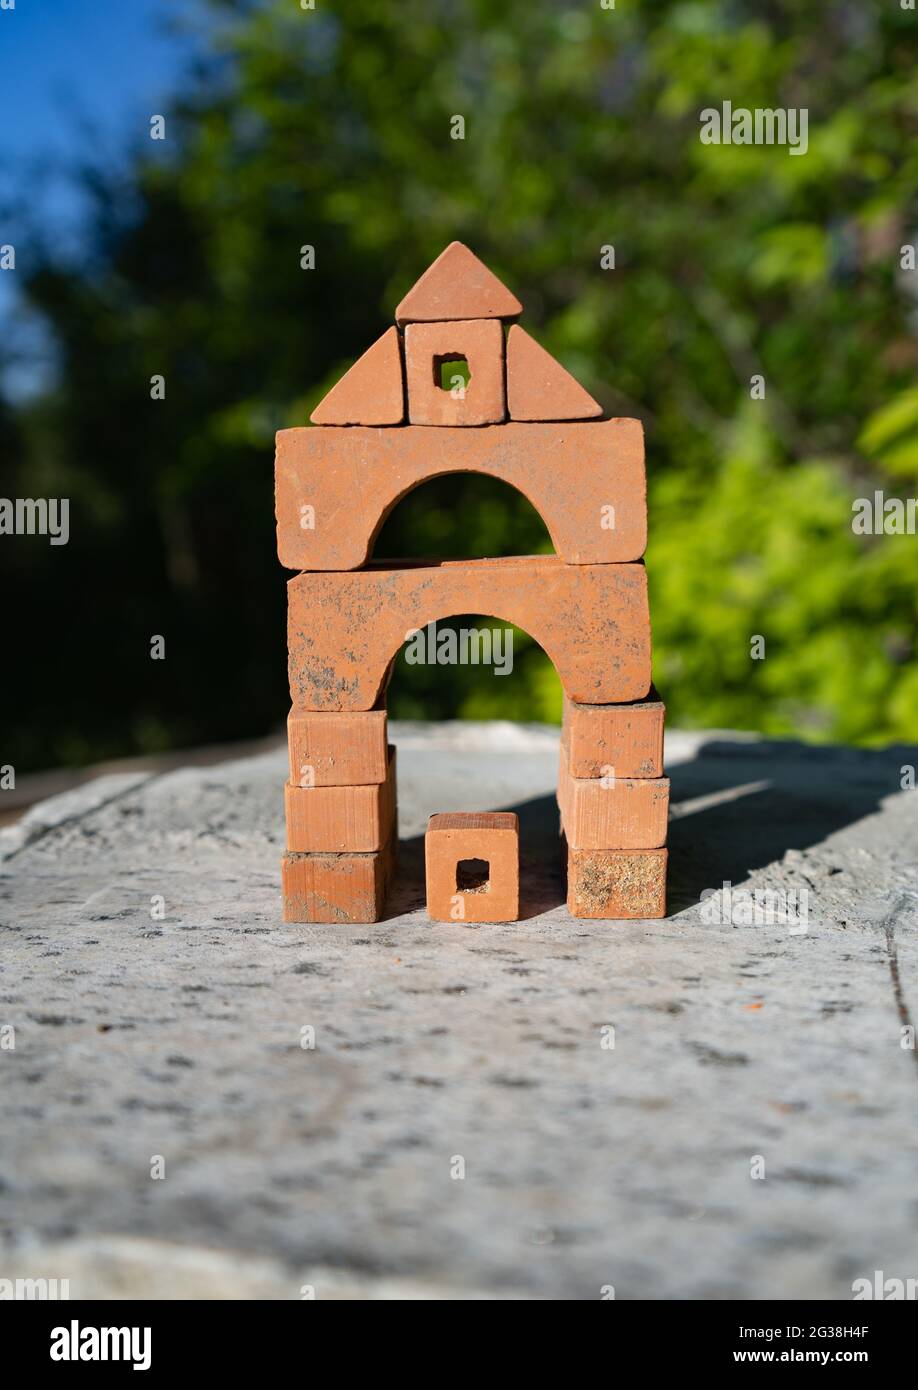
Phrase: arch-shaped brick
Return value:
(344, 629)
(334, 487)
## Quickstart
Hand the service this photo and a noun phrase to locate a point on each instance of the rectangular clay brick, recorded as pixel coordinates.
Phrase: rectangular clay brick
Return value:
(628, 739)
(335, 486)
(329, 749)
(336, 820)
(337, 887)
(457, 836)
(613, 813)
(616, 884)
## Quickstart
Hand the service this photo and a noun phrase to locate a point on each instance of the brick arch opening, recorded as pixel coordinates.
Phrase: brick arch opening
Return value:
(462, 514)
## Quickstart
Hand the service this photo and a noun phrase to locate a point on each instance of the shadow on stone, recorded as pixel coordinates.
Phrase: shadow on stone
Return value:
(735, 808)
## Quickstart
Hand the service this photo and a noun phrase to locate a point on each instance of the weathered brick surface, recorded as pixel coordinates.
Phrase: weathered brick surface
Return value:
(626, 739)
(372, 392)
(616, 884)
(337, 750)
(586, 480)
(335, 820)
(344, 629)
(457, 285)
(619, 813)
(456, 837)
(337, 887)
(482, 401)
(538, 387)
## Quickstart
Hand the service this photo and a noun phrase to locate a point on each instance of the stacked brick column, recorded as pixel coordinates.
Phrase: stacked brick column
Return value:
(521, 417)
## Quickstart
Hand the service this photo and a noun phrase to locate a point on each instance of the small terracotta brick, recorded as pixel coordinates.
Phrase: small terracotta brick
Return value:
(616, 884)
(337, 820)
(539, 388)
(455, 837)
(482, 401)
(337, 887)
(628, 739)
(335, 487)
(621, 813)
(344, 629)
(457, 285)
(372, 392)
(337, 750)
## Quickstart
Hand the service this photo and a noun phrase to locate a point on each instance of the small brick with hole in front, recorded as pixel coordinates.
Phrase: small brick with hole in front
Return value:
(456, 837)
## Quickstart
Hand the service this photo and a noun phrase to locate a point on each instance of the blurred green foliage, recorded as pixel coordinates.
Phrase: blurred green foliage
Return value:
(331, 128)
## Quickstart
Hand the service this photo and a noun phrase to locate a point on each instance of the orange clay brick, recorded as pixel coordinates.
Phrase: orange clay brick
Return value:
(538, 387)
(337, 820)
(616, 884)
(337, 887)
(585, 478)
(613, 813)
(345, 629)
(372, 392)
(457, 285)
(482, 401)
(337, 750)
(624, 739)
(460, 888)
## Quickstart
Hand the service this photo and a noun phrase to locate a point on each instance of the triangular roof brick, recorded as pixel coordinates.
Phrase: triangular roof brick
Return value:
(457, 286)
(539, 388)
(372, 392)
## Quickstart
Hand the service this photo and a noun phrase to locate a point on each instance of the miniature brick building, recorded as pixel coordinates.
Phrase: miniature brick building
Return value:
(389, 425)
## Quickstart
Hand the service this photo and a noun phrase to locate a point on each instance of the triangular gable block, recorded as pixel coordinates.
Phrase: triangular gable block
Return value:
(372, 392)
(457, 286)
(539, 388)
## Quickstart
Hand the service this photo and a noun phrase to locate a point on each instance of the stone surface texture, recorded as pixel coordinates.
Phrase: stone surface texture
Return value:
(159, 1008)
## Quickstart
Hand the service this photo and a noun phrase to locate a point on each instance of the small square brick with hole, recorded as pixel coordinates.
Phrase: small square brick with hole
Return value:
(473, 866)
(455, 373)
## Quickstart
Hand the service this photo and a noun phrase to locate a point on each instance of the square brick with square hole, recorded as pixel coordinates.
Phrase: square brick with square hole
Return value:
(473, 866)
(455, 372)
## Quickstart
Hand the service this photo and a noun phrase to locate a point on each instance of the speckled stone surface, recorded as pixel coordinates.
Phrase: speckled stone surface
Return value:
(158, 1005)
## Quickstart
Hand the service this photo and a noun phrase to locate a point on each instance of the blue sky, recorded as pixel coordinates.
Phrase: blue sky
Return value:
(68, 63)
(71, 67)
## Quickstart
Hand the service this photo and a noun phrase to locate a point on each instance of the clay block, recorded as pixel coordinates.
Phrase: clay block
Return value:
(337, 750)
(626, 740)
(372, 392)
(337, 887)
(345, 629)
(335, 487)
(613, 813)
(428, 346)
(539, 388)
(616, 884)
(473, 866)
(336, 820)
(457, 285)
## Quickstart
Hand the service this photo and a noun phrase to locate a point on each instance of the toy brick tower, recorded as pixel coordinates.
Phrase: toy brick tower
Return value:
(389, 425)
